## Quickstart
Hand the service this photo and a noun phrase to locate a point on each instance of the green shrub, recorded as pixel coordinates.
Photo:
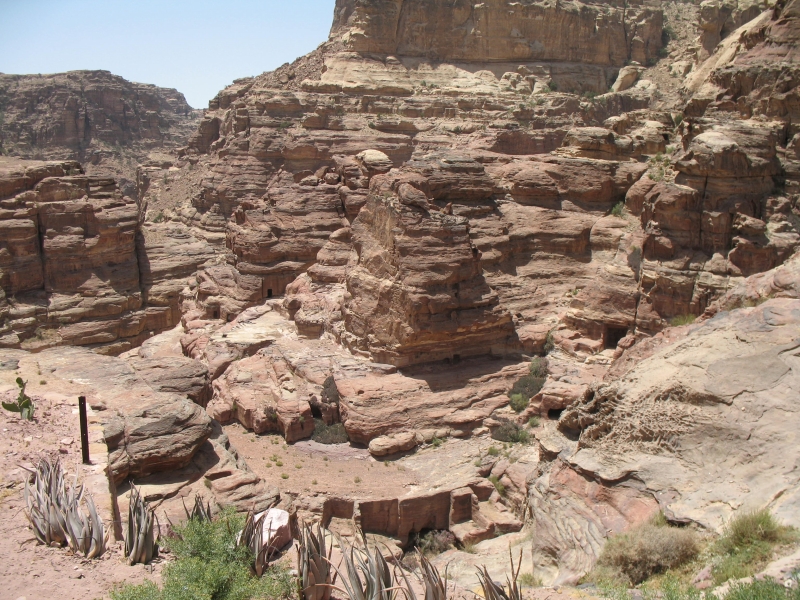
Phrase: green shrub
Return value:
(648, 549)
(518, 402)
(493, 451)
(671, 588)
(534, 421)
(767, 589)
(549, 343)
(751, 528)
(508, 431)
(619, 209)
(501, 489)
(329, 434)
(747, 544)
(682, 320)
(529, 385)
(209, 565)
(529, 580)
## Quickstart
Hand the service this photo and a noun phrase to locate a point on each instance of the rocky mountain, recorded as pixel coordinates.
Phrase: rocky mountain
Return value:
(385, 239)
(108, 124)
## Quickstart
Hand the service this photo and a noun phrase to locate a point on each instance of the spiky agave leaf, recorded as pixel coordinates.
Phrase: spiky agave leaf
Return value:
(513, 589)
(368, 566)
(435, 586)
(252, 537)
(141, 543)
(203, 513)
(491, 590)
(45, 500)
(99, 536)
(313, 564)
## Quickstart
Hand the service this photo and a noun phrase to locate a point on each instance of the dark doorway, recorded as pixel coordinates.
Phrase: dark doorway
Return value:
(215, 313)
(614, 335)
(269, 293)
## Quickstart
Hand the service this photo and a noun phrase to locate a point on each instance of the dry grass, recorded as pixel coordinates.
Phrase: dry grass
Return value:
(648, 549)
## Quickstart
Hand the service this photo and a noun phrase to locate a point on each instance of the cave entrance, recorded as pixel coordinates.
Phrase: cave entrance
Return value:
(554, 414)
(269, 293)
(614, 335)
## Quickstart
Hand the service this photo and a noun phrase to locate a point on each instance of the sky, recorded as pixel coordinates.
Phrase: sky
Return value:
(196, 47)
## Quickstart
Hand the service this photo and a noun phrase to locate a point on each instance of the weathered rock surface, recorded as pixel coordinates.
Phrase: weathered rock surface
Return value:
(106, 123)
(588, 33)
(76, 267)
(146, 430)
(438, 305)
(698, 429)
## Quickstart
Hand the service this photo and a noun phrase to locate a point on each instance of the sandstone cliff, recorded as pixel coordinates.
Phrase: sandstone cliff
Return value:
(386, 231)
(106, 123)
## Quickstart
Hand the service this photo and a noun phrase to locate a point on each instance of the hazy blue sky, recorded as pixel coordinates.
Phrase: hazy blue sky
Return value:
(197, 47)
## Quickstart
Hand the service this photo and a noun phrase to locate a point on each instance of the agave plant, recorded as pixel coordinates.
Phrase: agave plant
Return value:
(141, 543)
(55, 514)
(367, 575)
(317, 576)
(252, 536)
(435, 586)
(494, 591)
(199, 512)
(44, 499)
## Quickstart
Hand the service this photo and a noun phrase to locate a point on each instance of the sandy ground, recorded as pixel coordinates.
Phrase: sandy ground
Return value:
(30, 570)
(309, 467)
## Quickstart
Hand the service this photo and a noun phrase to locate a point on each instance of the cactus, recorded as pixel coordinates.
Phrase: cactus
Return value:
(55, 514)
(314, 568)
(24, 405)
(141, 543)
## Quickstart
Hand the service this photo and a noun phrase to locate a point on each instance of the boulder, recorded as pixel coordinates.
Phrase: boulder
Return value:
(146, 431)
(626, 78)
(393, 444)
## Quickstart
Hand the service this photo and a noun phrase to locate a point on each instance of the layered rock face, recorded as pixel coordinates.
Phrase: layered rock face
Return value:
(417, 291)
(700, 420)
(590, 33)
(283, 163)
(74, 259)
(97, 118)
(385, 232)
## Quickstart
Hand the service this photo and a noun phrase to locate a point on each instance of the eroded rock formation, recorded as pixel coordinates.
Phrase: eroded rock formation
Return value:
(106, 123)
(384, 233)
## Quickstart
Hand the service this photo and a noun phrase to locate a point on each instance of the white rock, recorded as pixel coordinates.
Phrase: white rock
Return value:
(276, 528)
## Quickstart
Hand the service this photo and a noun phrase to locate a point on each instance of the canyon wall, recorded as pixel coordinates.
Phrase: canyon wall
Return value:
(99, 119)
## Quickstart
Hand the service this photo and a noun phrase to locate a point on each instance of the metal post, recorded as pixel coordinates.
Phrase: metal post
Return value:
(84, 430)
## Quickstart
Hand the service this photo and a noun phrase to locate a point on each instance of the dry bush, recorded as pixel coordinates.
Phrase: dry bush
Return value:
(649, 549)
(329, 434)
